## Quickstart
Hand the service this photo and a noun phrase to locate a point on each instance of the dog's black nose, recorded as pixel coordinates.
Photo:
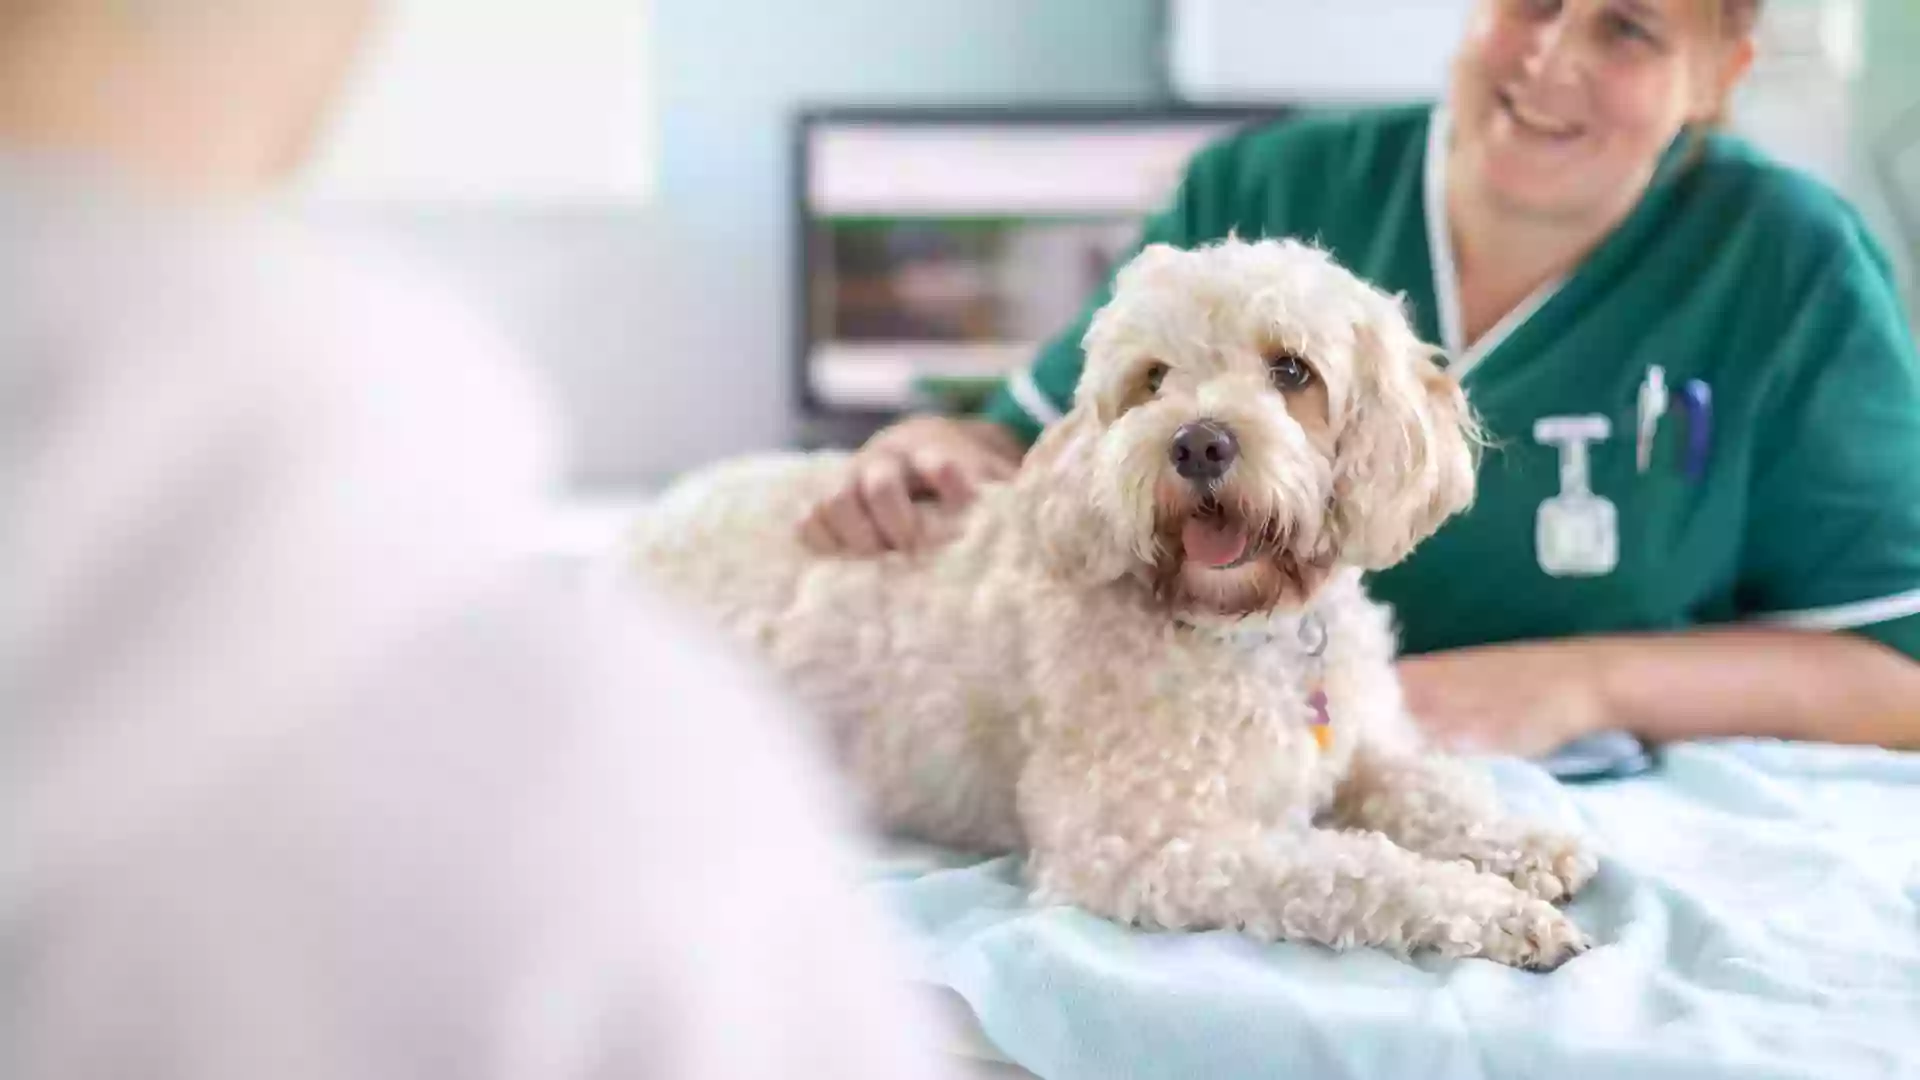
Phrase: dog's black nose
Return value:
(1203, 451)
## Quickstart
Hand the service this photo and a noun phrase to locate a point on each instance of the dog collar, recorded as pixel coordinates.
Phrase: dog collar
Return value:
(1309, 632)
(1307, 629)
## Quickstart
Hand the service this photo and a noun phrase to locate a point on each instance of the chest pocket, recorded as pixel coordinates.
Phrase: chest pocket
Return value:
(1628, 550)
(1631, 535)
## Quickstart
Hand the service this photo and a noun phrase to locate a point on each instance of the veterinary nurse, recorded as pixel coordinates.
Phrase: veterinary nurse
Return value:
(1702, 512)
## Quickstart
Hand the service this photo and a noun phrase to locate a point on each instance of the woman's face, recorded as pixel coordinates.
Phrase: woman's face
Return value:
(1562, 108)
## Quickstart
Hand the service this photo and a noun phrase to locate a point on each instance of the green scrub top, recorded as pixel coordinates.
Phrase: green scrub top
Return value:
(1742, 306)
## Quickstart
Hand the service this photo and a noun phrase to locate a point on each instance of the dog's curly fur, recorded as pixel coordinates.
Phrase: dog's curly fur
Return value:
(1066, 678)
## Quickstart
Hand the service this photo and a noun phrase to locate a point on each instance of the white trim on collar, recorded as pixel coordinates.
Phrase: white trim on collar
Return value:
(1847, 616)
(1032, 400)
(1446, 273)
(1308, 630)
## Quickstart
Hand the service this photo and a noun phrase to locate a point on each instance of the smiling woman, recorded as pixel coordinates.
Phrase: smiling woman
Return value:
(1560, 114)
(1699, 514)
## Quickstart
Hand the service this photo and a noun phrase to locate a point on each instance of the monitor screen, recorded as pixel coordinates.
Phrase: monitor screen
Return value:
(940, 250)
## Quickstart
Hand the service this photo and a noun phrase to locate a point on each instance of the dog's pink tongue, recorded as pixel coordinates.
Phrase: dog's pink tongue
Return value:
(1213, 541)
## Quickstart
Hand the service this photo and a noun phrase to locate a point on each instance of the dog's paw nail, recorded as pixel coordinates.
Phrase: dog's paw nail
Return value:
(1536, 936)
(1553, 944)
(1551, 955)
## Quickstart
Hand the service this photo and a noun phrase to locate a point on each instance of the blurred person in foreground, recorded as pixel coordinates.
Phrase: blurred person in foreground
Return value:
(305, 773)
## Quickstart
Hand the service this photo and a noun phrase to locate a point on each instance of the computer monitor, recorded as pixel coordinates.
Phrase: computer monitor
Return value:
(938, 249)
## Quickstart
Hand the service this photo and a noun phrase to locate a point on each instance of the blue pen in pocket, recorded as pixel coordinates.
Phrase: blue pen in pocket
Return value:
(1696, 404)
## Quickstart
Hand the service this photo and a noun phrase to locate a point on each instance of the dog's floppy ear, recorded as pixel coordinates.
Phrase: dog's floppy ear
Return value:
(1408, 453)
(1056, 488)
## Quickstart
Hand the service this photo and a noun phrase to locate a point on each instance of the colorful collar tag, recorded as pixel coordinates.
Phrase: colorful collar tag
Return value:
(1313, 642)
(1322, 722)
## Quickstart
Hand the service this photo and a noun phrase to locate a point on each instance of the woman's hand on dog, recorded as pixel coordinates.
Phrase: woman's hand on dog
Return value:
(1526, 700)
(902, 483)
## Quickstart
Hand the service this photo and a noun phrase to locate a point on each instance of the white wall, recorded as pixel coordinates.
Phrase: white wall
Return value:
(1350, 51)
(490, 101)
(665, 330)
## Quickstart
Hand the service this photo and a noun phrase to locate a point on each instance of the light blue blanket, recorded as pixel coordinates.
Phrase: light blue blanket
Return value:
(1757, 909)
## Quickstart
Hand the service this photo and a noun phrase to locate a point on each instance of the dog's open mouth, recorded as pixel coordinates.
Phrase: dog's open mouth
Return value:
(1216, 539)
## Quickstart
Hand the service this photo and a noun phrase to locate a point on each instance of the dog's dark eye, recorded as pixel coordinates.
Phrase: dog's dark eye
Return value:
(1156, 373)
(1289, 372)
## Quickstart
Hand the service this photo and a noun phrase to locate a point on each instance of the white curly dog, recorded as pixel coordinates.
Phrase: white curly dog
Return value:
(1148, 660)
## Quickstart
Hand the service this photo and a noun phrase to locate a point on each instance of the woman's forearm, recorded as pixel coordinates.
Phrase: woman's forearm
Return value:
(1790, 684)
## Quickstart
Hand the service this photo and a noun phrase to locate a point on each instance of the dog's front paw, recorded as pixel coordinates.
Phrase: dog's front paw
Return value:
(1551, 866)
(1535, 935)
